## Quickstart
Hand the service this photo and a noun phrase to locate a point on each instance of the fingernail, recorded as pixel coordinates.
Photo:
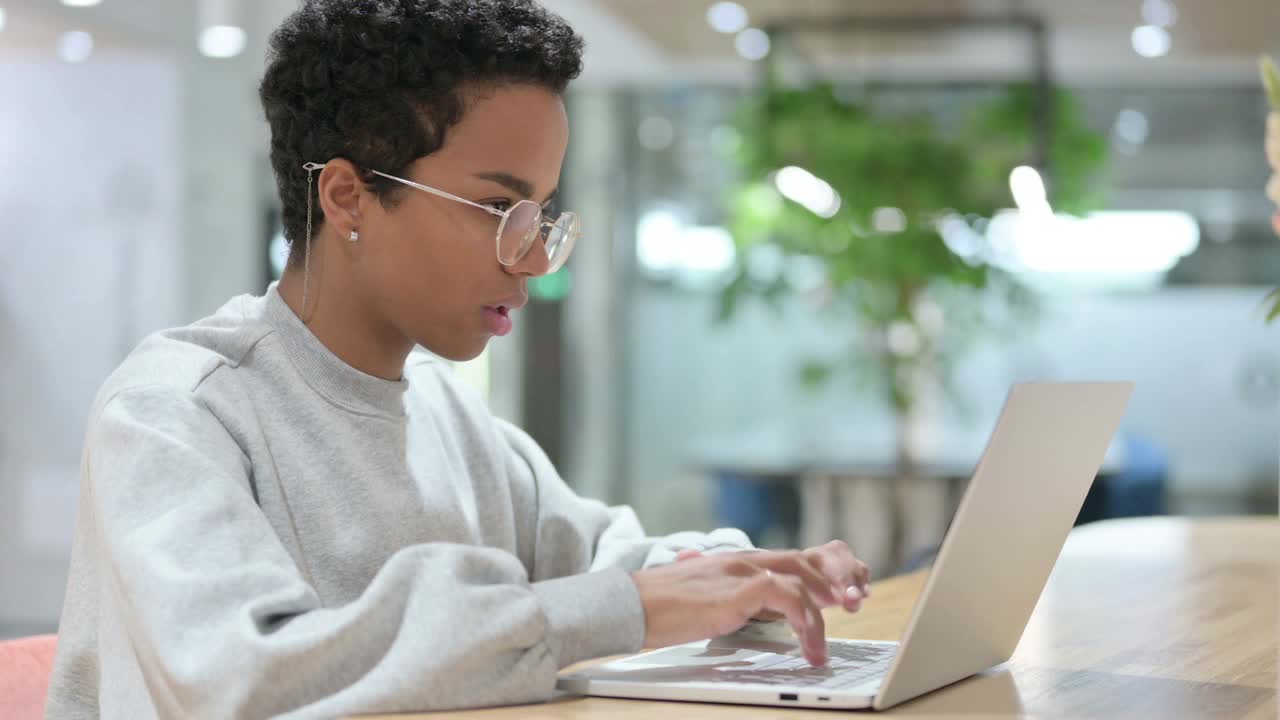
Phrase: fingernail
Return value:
(854, 593)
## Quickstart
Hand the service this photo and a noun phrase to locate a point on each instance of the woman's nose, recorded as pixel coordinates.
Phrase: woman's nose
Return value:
(535, 263)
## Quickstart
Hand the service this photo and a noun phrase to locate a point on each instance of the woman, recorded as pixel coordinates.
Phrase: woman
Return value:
(284, 511)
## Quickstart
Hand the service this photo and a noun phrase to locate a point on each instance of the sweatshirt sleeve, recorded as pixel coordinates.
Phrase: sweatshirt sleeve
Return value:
(223, 623)
(575, 534)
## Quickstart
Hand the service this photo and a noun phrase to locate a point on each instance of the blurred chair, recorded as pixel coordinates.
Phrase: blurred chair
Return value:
(25, 667)
(1136, 490)
(757, 504)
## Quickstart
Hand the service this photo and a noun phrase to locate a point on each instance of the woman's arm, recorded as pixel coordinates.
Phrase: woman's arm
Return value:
(223, 623)
(575, 534)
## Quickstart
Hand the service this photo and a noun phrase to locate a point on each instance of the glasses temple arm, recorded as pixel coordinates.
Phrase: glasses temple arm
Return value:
(442, 193)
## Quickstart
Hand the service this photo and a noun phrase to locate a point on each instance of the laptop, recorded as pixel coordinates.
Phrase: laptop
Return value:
(993, 564)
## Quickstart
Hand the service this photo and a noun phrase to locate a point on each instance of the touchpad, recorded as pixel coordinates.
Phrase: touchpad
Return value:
(697, 655)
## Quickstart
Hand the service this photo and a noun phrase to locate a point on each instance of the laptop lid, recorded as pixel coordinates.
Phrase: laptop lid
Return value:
(1005, 537)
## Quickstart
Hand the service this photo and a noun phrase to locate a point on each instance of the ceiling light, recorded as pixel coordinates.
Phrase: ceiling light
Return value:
(706, 249)
(664, 244)
(222, 32)
(80, 3)
(1151, 41)
(727, 17)
(75, 46)
(801, 186)
(657, 240)
(752, 43)
(1101, 242)
(1028, 191)
(2, 18)
(222, 41)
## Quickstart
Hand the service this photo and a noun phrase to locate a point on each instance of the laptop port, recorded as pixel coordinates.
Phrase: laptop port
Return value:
(788, 696)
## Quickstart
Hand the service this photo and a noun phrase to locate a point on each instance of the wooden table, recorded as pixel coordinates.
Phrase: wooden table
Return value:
(1143, 619)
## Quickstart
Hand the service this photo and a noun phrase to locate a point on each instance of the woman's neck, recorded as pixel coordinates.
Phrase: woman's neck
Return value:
(342, 321)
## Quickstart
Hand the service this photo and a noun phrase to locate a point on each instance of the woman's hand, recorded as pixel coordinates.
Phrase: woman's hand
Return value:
(850, 577)
(703, 596)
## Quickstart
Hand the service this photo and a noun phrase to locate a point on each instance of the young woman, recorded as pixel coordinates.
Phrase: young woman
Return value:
(284, 511)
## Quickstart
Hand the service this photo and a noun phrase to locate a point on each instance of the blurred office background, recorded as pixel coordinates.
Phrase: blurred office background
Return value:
(1097, 166)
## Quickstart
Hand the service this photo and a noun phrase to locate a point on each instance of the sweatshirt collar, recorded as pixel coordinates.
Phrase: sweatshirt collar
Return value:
(328, 374)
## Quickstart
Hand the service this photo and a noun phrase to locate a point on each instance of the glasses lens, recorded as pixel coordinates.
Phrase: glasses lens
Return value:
(561, 239)
(518, 231)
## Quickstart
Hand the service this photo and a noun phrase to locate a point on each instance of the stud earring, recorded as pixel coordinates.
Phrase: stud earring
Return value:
(354, 236)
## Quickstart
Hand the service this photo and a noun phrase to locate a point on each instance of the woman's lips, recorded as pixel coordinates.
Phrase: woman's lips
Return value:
(498, 320)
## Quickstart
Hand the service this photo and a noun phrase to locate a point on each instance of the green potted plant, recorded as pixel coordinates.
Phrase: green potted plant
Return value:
(864, 196)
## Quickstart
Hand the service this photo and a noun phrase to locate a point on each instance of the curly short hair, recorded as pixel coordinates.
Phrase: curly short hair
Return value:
(380, 82)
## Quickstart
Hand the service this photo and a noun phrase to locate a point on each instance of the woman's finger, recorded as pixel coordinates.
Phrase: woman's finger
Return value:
(788, 595)
(838, 562)
(795, 563)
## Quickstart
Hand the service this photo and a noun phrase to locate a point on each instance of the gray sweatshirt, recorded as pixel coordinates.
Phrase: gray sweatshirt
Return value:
(264, 530)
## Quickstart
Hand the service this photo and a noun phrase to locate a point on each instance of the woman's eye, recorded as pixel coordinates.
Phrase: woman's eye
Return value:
(499, 205)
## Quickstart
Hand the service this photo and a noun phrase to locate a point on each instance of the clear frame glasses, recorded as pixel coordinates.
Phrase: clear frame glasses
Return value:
(518, 228)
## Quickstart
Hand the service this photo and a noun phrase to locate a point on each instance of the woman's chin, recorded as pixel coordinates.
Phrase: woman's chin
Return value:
(461, 351)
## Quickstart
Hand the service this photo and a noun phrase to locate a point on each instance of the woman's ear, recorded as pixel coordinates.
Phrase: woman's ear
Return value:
(339, 190)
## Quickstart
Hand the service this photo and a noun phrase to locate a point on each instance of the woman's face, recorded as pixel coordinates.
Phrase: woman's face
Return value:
(429, 265)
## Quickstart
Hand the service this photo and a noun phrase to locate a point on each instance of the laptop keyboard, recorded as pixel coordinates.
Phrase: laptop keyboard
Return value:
(849, 664)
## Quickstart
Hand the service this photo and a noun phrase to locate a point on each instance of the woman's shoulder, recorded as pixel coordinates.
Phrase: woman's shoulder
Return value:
(181, 359)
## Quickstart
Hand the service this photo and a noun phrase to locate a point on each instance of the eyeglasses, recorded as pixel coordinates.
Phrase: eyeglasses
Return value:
(519, 227)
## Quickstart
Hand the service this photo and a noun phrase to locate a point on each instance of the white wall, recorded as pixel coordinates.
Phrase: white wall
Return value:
(90, 241)
(223, 161)
(1206, 367)
(593, 310)
(131, 201)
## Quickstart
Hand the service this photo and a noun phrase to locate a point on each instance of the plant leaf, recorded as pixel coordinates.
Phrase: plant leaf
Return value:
(814, 373)
(1273, 297)
(1270, 80)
